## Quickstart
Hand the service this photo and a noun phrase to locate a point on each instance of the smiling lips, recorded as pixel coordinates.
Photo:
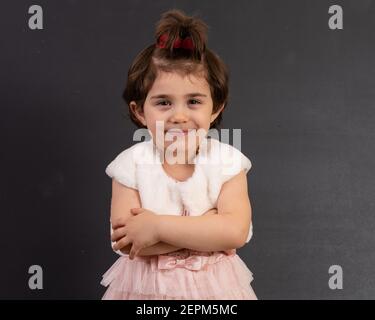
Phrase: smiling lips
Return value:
(178, 132)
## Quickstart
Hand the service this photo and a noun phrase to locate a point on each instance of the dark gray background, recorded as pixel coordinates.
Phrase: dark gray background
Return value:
(302, 93)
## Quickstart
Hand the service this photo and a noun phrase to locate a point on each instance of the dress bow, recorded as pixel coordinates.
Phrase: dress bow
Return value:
(170, 262)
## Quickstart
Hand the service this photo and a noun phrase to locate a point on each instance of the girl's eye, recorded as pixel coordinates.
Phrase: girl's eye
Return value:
(197, 101)
(161, 103)
(165, 102)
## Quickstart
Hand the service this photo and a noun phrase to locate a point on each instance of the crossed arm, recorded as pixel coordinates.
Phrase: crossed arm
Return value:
(161, 247)
(228, 229)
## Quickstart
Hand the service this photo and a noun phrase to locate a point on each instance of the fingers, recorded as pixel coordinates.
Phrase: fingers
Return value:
(118, 233)
(134, 251)
(122, 243)
(120, 222)
(117, 223)
(136, 211)
(211, 211)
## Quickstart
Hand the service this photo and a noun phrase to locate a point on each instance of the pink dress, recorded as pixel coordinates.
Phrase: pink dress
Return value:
(184, 274)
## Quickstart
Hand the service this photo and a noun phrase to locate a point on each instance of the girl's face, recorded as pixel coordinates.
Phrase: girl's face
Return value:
(178, 102)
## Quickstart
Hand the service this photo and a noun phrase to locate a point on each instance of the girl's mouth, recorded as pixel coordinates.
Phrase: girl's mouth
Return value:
(177, 132)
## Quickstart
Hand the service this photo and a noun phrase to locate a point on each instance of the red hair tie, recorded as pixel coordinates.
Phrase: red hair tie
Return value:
(186, 43)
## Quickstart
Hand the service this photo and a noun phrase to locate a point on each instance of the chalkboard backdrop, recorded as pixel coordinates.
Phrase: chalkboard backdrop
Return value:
(301, 91)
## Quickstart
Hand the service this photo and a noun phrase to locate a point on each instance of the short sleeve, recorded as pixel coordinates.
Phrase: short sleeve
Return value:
(123, 168)
(232, 162)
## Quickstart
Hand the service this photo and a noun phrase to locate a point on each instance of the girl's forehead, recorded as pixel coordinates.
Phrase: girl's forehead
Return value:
(174, 82)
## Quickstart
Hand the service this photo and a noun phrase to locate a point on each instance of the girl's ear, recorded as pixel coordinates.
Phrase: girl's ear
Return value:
(216, 114)
(138, 112)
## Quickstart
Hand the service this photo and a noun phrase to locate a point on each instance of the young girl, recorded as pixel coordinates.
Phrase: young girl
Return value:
(176, 226)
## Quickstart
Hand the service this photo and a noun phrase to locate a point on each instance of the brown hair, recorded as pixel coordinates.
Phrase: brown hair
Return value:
(200, 60)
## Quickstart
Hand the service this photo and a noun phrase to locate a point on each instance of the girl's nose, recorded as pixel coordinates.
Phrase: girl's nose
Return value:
(180, 114)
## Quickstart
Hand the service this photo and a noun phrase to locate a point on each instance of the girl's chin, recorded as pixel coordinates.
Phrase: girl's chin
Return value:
(185, 144)
(182, 146)
(179, 137)
(174, 136)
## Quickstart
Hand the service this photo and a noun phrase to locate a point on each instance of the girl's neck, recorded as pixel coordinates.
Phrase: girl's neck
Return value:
(179, 172)
(182, 161)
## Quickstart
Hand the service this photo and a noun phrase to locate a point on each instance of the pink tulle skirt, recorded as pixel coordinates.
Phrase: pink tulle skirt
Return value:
(180, 275)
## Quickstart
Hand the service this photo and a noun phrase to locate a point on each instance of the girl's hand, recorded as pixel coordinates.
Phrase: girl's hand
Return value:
(140, 230)
(211, 211)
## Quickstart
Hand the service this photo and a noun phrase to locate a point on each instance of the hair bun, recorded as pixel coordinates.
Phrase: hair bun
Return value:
(180, 34)
(184, 32)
